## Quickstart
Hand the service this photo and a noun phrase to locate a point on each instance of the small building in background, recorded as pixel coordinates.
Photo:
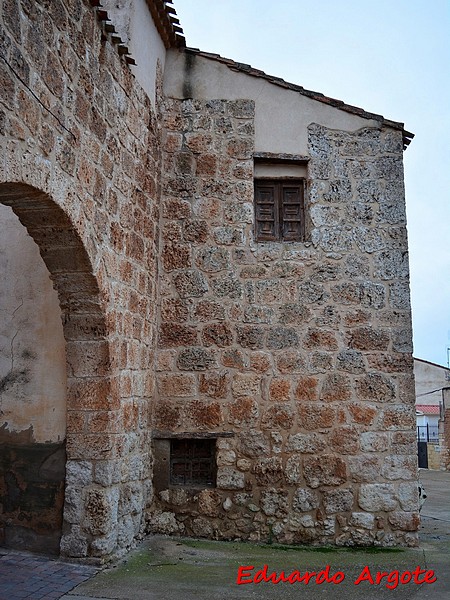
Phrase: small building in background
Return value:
(432, 387)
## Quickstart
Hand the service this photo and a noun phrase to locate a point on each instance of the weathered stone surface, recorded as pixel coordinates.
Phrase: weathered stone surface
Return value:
(281, 337)
(225, 457)
(219, 334)
(209, 502)
(190, 284)
(212, 259)
(366, 338)
(294, 314)
(374, 441)
(362, 413)
(305, 500)
(335, 501)
(268, 471)
(244, 411)
(319, 339)
(315, 417)
(250, 336)
(345, 440)
(404, 521)
(173, 335)
(336, 388)
(75, 543)
(227, 286)
(290, 361)
(377, 496)
(364, 468)
(196, 359)
(174, 309)
(274, 502)
(325, 469)
(293, 471)
(258, 314)
(397, 417)
(309, 443)
(202, 527)
(399, 467)
(165, 523)
(278, 416)
(176, 256)
(306, 388)
(230, 479)
(362, 519)
(260, 362)
(351, 361)
(279, 390)
(100, 510)
(408, 496)
(177, 385)
(376, 387)
(207, 310)
(246, 384)
(213, 384)
(254, 444)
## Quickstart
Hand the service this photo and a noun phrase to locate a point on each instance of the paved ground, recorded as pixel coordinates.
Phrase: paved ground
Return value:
(24, 575)
(163, 568)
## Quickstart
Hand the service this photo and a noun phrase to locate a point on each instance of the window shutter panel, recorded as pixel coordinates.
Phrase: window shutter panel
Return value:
(266, 221)
(292, 212)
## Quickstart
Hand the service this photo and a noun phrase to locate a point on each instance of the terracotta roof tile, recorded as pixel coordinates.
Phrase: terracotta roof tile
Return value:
(429, 409)
(166, 22)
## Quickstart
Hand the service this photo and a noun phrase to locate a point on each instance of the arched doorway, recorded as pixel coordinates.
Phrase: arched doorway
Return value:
(50, 317)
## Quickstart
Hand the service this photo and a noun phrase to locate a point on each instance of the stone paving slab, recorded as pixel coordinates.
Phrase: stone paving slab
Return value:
(31, 577)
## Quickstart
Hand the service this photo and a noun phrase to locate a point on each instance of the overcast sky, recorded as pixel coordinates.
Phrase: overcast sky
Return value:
(390, 57)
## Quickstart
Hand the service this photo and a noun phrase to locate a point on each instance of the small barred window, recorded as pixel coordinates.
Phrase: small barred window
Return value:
(193, 462)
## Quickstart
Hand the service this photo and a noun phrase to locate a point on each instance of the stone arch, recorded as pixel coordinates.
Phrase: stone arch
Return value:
(88, 376)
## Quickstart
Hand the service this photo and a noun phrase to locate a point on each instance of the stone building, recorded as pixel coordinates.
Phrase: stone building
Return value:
(205, 312)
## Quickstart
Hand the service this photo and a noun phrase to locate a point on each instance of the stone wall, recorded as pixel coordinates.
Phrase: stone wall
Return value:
(444, 432)
(295, 356)
(79, 166)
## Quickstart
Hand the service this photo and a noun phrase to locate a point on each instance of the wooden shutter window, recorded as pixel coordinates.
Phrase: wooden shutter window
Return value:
(266, 211)
(279, 210)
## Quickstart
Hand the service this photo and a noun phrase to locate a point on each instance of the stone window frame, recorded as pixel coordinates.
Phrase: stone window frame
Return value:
(161, 442)
(279, 172)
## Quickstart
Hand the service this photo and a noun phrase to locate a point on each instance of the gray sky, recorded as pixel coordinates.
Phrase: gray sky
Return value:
(390, 57)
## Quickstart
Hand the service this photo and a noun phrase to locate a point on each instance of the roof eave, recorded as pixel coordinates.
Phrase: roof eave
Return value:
(249, 70)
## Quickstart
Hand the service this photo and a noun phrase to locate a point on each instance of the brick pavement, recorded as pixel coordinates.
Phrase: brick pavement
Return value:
(32, 577)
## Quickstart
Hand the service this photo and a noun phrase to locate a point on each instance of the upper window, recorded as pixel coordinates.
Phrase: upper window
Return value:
(279, 210)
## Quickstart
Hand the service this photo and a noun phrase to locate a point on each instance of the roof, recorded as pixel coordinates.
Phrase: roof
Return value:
(249, 70)
(429, 409)
(431, 363)
(166, 22)
(163, 16)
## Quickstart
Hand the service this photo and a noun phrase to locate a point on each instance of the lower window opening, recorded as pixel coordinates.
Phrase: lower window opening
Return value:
(193, 462)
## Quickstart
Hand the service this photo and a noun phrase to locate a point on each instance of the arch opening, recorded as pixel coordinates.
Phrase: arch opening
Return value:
(53, 346)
